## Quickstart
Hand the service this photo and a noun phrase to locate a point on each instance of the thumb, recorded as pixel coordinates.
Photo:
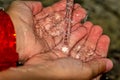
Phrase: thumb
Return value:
(24, 6)
(35, 6)
(100, 66)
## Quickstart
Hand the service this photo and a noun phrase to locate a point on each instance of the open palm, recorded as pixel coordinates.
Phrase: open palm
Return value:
(40, 34)
(50, 25)
(41, 29)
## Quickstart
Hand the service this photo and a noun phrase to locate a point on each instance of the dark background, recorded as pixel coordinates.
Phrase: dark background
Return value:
(105, 13)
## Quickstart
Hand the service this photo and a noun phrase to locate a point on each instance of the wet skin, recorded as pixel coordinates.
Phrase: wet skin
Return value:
(38, 49)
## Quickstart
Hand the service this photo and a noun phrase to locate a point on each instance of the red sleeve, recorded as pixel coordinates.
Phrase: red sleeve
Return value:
(8, 55)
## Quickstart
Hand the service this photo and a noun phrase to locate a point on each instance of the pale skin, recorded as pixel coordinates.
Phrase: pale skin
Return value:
(53, 64)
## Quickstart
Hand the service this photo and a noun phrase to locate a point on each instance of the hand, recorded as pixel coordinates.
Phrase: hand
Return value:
(94, 46)
(50, 24)
(22, 14)
(64, 68)
(43, 57)
(27, 18)
(95, 42)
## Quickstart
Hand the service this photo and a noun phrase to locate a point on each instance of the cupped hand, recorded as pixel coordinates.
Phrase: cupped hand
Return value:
(50, 25)
(36, 34)
(92, 48)
(63, 69)
(40, 29)
(22, 14)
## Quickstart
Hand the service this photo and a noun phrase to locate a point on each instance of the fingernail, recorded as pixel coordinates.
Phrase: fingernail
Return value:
(109, 65)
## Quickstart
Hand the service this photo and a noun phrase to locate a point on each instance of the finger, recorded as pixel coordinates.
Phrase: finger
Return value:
(88, 25)
(78, 15)
(77, 34)
(93, 37)
(102, 46)
(88, 47)
(59, 6)
(100, 66)
(44, 13)
(54, 17)
(35, 7)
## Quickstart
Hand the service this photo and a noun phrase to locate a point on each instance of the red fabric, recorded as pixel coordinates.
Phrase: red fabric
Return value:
(8, 55)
